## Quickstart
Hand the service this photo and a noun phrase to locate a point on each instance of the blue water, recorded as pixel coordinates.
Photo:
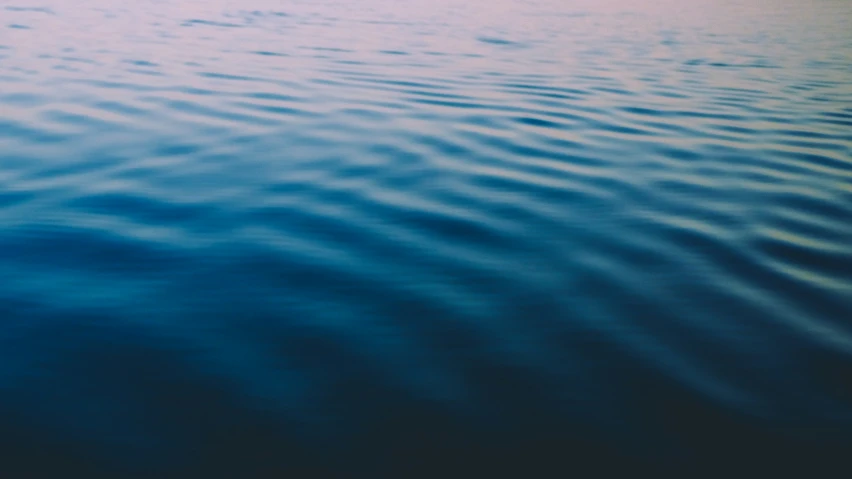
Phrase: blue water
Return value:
(389, 238)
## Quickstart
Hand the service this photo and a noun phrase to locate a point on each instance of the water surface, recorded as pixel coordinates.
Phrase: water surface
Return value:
(381, 238)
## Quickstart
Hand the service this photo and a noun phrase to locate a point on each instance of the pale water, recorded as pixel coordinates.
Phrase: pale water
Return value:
(380, 238)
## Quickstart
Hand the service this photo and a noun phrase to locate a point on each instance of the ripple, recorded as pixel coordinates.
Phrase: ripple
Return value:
(245, 242)
(17, 130)
(30, 9)
(829, 260)
(93, 248)
(209, 23)
(270, 54)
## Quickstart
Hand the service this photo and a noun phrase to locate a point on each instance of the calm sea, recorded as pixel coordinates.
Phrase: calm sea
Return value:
(440, 238)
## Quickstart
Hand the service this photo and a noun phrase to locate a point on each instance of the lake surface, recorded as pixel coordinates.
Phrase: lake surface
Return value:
(387, 238)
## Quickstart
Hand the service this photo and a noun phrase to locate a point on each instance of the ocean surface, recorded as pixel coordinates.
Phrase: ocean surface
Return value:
(440, 238)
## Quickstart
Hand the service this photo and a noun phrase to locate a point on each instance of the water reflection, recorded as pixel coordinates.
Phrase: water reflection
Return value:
(385, 238)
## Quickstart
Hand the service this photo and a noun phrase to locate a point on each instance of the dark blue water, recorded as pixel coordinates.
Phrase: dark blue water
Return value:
(391, 238)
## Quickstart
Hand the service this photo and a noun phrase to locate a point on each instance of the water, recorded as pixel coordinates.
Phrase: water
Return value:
(382, 238)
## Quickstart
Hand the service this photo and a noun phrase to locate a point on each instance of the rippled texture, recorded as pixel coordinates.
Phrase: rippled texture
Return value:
(383, 238)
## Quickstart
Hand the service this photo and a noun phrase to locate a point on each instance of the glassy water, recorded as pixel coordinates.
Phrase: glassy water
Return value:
(382, 238)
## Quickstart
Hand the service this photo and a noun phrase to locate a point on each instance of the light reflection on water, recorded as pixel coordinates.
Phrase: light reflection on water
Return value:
(385, 238)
